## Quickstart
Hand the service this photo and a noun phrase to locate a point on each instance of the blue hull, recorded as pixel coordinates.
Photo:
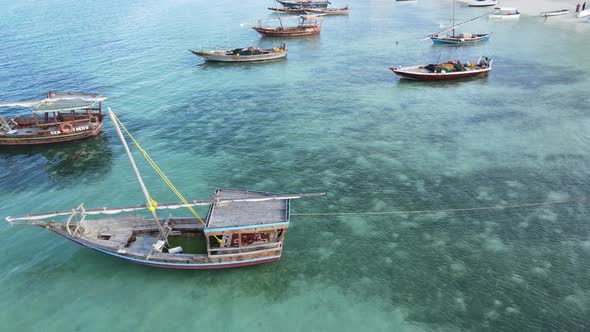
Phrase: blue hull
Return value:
(459, 42)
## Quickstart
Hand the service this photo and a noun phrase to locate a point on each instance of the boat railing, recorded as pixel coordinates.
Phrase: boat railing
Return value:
(246, 250)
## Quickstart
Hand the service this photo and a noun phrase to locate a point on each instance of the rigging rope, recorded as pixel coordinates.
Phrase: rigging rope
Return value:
(495, 207)
(152, 204)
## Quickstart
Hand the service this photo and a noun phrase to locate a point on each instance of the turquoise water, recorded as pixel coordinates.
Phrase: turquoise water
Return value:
(330, 118)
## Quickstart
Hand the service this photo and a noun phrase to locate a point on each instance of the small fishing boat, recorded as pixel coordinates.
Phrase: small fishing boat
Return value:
(483, 3)
(505, 13)
(450, 70)
(289, 10)
(61, 117)
(583, 13)
(308, 25)
(328, 11)
(304, 3)
(555, 12)
(249, 54)
(462, 38)
(241, 228)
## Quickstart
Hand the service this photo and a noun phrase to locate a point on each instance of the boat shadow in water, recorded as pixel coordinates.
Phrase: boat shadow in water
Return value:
(216, 64)
(58, 164)
(443, 84)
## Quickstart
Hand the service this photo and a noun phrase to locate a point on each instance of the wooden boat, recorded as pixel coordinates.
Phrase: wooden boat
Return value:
(460, 39)
(504, 13)
(249, 54)
(450, 70)
(61, 117)
(289, 10)
(241, 228)
(555, 12)
(308, 25)
(583, 13)
(304, 3)
(328, 11)
(483, 3)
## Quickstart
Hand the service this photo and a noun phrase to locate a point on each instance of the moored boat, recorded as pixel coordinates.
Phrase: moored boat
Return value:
(462, 38)
(249, 54)
(505, 13)
(328, 11)
(61, 117)
(308, 25)
(450, 70)
(583, 13)
(305, 3)
(289, 10)
(555, 12)
(241, 227)
(483, 3)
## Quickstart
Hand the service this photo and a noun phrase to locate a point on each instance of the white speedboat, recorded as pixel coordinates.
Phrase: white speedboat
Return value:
(583, 13)
(555, 12)
(505, 13)
(483, 3)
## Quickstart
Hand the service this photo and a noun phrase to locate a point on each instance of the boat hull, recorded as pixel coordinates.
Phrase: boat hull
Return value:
(555, 13)
(47, 138)
(460, 41)
(288, 32)
(221, 57)
(505, 17)
(407, 74)
(482, 3)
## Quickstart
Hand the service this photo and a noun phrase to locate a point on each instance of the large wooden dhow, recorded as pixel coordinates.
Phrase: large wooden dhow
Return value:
(61, 117)
(451, 70)
(241, 227)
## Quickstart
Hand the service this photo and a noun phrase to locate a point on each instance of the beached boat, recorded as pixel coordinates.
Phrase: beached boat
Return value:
(308, 25)
(328, 11)
(249, 54)
(450, 70)
(555, 12)
(61, 117)
(305, 3)
(462, 38)
(241, 227)
(583, 13)
(483, 3)
(504, 13)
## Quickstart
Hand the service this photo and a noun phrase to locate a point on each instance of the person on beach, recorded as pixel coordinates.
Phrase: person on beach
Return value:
(578, 8)
(584, 6)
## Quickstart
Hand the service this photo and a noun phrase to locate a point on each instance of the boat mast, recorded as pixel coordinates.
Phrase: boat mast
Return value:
(453, 18)
(278, 14)
(132, 161)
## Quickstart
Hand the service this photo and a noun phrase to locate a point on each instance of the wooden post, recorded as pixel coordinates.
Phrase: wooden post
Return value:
(132, 161)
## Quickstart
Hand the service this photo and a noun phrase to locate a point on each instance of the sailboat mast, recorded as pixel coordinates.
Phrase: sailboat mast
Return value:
(278, 13)
(453, 18)
(134, 166)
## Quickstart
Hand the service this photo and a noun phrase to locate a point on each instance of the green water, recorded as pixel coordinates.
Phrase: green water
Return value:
(330, 118)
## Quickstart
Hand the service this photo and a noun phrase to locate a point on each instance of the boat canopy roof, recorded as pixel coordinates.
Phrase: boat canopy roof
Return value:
(59, 101)
(247, 210)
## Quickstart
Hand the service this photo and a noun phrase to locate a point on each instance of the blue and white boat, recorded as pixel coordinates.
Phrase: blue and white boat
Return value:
(462, 38)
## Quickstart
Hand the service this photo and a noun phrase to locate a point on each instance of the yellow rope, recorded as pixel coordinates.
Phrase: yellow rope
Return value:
(152, 204)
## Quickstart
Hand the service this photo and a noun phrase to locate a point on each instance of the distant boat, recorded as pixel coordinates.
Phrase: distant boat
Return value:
(460, 39)
(555, 12)
(450, 70)
(304, 3)
(249, 54)
(61, 117)
(584, 13)
(308, 25)
(483, 3)
(289, 10)
(327, 11)
(241, 228)
(505, 13)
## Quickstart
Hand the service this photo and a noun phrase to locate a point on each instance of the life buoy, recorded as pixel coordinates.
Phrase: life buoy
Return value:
(66, 128)
(94, 119)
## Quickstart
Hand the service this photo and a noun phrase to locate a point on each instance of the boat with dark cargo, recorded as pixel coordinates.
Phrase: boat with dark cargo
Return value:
(60, 117)
(248, 54)
(450, 70)
(242, 227)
